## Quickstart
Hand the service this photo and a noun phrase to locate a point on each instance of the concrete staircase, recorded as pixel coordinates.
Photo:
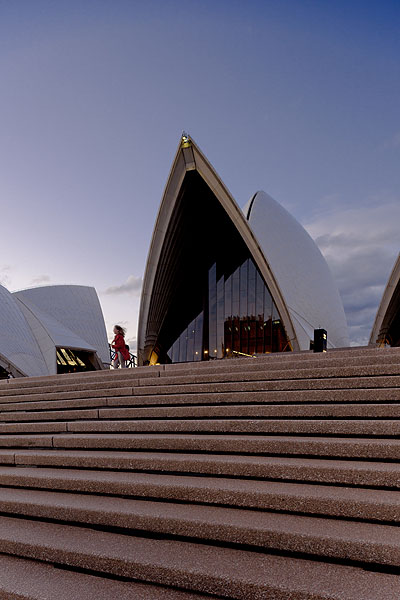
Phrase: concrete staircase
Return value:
(268, 478)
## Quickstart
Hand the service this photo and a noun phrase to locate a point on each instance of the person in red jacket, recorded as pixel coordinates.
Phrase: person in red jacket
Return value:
(121, 351)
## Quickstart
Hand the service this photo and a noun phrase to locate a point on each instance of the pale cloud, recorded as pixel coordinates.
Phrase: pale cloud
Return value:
(132, 285)
(5, 278)
(40, 279)
(360, 246)
(392, 143)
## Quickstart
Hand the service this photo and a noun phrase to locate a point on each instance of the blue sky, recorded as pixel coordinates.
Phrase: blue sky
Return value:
(299, 98)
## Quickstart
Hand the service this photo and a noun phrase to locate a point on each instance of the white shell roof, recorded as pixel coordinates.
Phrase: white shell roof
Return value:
(17, 343)
(72, 316)
(300, 270)
(60, 335)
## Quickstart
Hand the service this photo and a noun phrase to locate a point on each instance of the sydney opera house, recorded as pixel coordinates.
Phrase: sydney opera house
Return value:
(221, 281)
(51, 329)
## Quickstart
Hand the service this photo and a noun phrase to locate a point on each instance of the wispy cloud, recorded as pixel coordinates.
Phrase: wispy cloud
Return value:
(5, 278)
(392, 143)
(132, 285)
(360, 246)
(40, 279)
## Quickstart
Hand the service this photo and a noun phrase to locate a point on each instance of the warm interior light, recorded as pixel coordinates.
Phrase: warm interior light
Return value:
(153, 358)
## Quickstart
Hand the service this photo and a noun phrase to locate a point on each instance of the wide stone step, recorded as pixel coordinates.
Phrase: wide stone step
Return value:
(53, 400)
(25, 441)
(300, 411)
(372, 355)
(303, 360)
(227, 572)
(390, 395)
(345, 377)
(338, 447)
(313, 371)
(355, 427)
(68, 395)
(182, 377)
(337, 395)
(315, 536)
(351, 503)
(227, 393)
(36, 405)
(22, 579)
(333, 471)
(50, 415)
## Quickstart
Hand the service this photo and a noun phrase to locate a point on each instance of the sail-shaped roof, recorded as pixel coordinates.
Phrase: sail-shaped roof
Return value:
(305, 281)
(19, 351)
(35, 323)
(186, 206)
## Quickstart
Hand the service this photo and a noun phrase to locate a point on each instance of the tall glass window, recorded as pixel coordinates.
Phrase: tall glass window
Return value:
(242, 319)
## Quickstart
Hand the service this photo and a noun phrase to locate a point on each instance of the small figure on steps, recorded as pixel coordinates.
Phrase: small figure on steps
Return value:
(121, 351)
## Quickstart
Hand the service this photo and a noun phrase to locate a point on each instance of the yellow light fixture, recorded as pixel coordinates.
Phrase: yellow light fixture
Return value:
(185, 140)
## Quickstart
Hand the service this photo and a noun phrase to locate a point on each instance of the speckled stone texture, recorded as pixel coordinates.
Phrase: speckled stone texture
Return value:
(275, 478)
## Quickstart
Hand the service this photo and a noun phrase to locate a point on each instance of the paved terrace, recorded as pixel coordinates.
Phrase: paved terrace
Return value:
(272, 478)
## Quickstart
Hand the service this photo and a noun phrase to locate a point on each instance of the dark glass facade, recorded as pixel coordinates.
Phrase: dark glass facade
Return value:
(242, 319)
(209, 300)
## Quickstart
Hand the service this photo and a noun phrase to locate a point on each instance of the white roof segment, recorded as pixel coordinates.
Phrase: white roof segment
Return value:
(33, 323)
(72, 316)
(50, 333)
(18, 345)
(60, 335)
(300, 270)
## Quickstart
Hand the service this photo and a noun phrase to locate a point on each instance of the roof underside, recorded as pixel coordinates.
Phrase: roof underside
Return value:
(386, 328)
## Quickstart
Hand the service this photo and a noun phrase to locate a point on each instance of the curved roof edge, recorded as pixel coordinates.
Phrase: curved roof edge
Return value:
(383, 311)
(189, 158)
(306, 282)
(18, 346)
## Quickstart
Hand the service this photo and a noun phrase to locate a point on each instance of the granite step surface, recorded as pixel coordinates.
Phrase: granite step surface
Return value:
(314, 536)
(231, 411)
(217, 393)
(22, 579)
(351, 427)
(227, 572)
(273, 477)
(89, 394)
(317, 427)
(373, 449)
(351, 503)
(345, 472)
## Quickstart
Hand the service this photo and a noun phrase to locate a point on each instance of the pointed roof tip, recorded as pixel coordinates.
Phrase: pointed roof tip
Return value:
(186, 142)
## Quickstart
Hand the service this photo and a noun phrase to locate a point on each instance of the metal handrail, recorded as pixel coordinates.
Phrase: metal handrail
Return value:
(130, 364)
